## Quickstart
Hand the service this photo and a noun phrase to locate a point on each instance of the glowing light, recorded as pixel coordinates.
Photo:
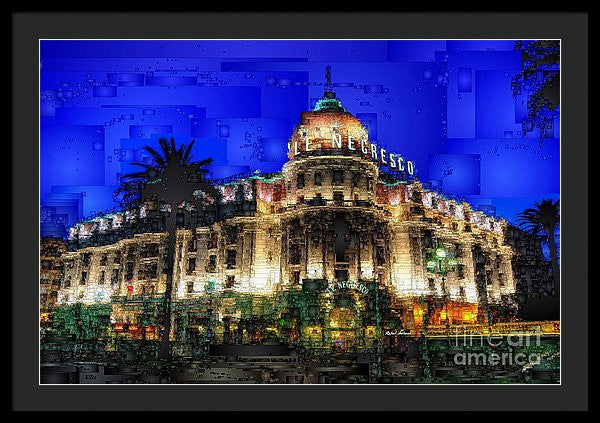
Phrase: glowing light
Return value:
(431, 266)
(441, 253)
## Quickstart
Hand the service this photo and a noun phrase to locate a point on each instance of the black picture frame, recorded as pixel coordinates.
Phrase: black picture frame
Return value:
(571, 28)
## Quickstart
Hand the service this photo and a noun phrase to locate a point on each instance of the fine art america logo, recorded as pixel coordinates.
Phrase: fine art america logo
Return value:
(513, 340)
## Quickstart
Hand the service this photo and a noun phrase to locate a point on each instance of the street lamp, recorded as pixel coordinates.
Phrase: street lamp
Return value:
(440, 263)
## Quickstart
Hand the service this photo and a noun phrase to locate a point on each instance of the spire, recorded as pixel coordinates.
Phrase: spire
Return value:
(329, 102)
(328, 86)
(328, 78)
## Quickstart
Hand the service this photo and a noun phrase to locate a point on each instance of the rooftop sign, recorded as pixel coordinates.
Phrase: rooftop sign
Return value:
(349, 143)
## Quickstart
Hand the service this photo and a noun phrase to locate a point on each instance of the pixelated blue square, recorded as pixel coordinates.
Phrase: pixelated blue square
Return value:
(223, 131)
(105, 91)
(460, 174)
(369, 121)
(273, 149)
(465, 80)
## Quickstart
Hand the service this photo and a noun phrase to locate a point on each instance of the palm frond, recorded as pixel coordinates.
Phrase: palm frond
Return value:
(186, 155)
(137, 185)
(165, 148)
(145, 165)
(179, 153)
(173, 147)
(136, 175)
(157, 157)
(543, 217)
(204, 162)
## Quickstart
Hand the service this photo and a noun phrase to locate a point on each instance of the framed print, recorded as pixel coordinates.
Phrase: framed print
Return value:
(274, 220)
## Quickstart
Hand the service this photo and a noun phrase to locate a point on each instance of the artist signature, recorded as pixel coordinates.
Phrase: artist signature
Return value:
(397, 332)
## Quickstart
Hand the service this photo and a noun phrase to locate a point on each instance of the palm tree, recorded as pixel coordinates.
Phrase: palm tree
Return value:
(171, 180)
(544, 217)
(541, 80)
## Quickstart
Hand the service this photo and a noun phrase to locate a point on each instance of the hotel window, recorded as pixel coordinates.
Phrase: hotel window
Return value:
(230, 281)
(338, 177)
(231, 235)
(341, 275)
(117, 259)
(318, 178)
(461, 271)
(458, 253)
(190, 287)
(114, 277)
(67, 283)
(338, 197)
(296, 278)
(101, 278)
(427, 238)
(431, 283)
(380, 253)
(355, 179)
(87, 258)
(231, 257)
(191, 267)
(129, 270)
(84, 276)
(103, 260)
(149, 250)
(210, 244)
(148, 271)
(294, 256)
(300, 180)
(212, 264)
(131, 251)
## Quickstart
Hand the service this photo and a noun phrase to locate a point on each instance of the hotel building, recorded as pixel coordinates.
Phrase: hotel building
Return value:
(333, 250)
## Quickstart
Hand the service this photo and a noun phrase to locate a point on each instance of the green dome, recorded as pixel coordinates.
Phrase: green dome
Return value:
(329, 103)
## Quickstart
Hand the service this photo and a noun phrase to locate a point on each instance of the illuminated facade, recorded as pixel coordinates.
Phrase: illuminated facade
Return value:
(51, 251)
(331, 225)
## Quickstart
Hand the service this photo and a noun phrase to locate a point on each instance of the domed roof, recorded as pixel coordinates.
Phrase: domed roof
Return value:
(329, 103)
(331, 130)
(328, 128)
